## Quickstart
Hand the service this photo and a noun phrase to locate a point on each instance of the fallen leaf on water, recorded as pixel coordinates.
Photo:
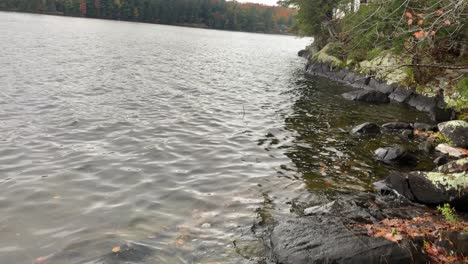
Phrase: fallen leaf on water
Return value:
(180, 242)
(116, 249)
(40, 260)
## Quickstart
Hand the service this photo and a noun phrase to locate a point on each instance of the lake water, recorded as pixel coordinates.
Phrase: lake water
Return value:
(170, 141)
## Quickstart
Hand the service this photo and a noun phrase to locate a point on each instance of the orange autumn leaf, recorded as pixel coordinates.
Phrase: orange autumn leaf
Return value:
(420, 22)
(180, 242)
(439, 12)
(40, 260)
(419, 34)
(116, 249)
(408, 15)
(410, 21)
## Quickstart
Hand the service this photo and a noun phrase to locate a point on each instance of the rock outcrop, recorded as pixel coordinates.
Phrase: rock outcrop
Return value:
(447, 184)
(456, 131)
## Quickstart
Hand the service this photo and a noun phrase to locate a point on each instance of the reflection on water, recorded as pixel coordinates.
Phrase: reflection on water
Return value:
(166, 144)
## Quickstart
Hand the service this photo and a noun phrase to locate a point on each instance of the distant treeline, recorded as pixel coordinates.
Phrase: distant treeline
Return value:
(218, 14)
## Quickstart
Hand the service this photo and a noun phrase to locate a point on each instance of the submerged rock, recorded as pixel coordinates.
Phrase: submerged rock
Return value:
(397, 126)
(392, 155)
(441, 160)
(367, 96)
(424, 127)
(366, 128)
(456, 131)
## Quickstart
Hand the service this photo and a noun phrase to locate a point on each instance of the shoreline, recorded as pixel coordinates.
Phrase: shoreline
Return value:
(59, 14)
(398, 223)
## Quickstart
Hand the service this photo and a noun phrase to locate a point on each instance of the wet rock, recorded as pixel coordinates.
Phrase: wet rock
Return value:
(407, 133)
(440, 114)
(328, 236)
(381, 86)
(397, 126)
(456, 166)
(393, 155)
(431, 187)
(319, 209)
(456, 131)
(441, 160)
(426, 147)
(303, 53)
(366, 128)
(367, 96)
(424, 127)
(401, 95)
(422, 103)
(452, 151)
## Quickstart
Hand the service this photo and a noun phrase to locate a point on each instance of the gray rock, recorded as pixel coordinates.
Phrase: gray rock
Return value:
(381, 86)
(424, 127)
(397, 126)
(456, 131)
(319, 209)
(330, 237)
(441, 160)
(452, 151)
(304, 53)
(407, 133)
(401, 95)
(426, 147)
(367, 96)
(431, 187)
(456, 166)
(366, 128)
(393, 155)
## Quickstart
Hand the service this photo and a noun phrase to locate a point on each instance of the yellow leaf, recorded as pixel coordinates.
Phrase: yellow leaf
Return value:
(116, 249)
(420, 22)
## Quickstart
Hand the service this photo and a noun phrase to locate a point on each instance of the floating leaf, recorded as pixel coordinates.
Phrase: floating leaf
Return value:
(116, 249)
(180, 242)
(40, 260)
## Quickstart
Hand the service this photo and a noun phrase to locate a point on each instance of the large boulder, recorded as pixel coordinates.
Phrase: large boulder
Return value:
(368, 96)
(366, 128)
(448, 184)
(456, 131)
(329, 234)
(394, 155)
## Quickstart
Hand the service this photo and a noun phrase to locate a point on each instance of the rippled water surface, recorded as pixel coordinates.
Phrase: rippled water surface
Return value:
(167, 140)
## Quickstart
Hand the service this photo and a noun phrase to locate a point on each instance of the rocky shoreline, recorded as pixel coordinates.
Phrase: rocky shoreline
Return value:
(380, 90)
(398, 223)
